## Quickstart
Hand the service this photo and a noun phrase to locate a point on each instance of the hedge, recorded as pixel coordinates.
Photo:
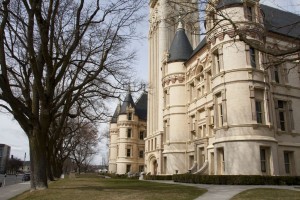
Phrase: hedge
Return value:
(237, 179)
(158, 177)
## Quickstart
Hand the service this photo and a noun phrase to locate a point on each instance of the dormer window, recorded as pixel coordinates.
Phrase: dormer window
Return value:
(250, 12)
(129, 116)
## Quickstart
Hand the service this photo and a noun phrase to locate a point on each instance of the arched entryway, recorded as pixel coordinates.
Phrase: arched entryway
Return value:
(153, 165)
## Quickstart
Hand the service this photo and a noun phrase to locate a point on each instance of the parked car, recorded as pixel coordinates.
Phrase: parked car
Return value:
(26, 177)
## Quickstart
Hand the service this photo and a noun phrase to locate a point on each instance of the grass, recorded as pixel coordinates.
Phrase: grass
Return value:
(267, 194)
(91, 187)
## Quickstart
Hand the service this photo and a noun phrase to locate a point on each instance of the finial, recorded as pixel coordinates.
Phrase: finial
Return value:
(180, 23)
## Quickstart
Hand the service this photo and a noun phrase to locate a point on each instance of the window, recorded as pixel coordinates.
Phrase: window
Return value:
(129, 116)
(141, 154)
(141, 168)
(216, 57)
(221, 161)
(141, 135)
(287, 162)
(250, 13)
(129, 133)
(252, 57)
(128, 168)
(282, 115)
(263, 161)
(220, 113)
(128, 151)
(192, 91)
(259, 112)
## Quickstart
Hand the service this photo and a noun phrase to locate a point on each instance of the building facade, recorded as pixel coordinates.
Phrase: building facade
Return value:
(4, 156)
(127, 132)
(220, 106)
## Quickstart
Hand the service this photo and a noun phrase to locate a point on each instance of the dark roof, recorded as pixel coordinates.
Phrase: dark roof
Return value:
(114, 118)
(141, 106)
(128, 101)
(281, 22)
(200, 46)
(225, 3)
(181, 48)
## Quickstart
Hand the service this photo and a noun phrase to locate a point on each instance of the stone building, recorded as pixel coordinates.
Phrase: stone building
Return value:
(128, 128)
(219, 106)
(4, 156)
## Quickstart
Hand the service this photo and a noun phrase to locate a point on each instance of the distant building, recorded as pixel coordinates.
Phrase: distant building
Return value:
(4, 156)
(128, 128)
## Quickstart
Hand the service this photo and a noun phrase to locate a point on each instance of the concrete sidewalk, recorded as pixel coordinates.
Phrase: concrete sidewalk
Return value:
(226, 192)
(10, 191)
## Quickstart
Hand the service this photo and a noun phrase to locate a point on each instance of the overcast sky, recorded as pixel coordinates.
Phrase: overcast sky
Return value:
(12, 135)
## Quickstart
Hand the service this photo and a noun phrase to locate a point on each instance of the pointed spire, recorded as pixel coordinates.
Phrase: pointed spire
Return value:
(181, 48)
(128, 102)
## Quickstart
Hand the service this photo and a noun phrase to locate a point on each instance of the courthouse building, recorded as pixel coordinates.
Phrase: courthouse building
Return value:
(215, 106)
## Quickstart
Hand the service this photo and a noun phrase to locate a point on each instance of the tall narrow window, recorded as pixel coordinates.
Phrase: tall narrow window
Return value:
(129, 116)
(252, 57)
(141, 135)
(287, 162)
(263, 161)
(250, 13)
(259, 111)
(192, 91)
(141, 154)
(282, 115)
(128, 151)
(217, 61)
(220, 112)
(129, 133)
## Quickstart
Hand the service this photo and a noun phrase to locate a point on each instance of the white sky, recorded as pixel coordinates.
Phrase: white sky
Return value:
(12, 135)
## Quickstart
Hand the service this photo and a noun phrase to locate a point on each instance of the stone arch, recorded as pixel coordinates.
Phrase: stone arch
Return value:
(153, 165)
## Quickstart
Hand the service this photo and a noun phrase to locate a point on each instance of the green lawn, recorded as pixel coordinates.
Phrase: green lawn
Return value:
(94, 187)
(268, 194)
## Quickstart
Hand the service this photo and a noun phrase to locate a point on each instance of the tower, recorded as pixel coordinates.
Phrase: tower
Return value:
(163, 25)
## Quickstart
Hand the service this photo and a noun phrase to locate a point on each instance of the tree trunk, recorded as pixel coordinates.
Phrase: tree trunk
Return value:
(38, 160)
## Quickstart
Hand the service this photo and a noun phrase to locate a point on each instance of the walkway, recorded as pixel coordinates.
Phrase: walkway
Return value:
(226, 192)
(10, 191)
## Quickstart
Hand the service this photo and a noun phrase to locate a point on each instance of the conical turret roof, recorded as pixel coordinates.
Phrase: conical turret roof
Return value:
(128, 102)
(181, 48)
(114, 118)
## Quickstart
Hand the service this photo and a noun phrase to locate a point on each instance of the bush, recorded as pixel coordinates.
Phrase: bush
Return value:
(158, 177)
(122, 176)
(237, 179)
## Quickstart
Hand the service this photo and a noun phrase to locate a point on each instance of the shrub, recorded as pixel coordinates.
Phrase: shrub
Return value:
(237, 179)
(158, 177)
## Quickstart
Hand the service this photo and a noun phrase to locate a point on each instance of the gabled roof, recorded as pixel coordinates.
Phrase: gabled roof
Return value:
(128, 102)
(141, 106)
(200, 46)
(281, 22)
(181, 48)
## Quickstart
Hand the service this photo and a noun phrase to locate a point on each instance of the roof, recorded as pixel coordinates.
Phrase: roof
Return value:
(281, 22)
(275, 20)
(128, 102)
(200, 46)
(181, 48)
(114, 118)
(141, 106)
(224, 3)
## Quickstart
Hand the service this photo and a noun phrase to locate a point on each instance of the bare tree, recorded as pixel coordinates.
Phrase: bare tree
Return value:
(55, 55)
(85, 146)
